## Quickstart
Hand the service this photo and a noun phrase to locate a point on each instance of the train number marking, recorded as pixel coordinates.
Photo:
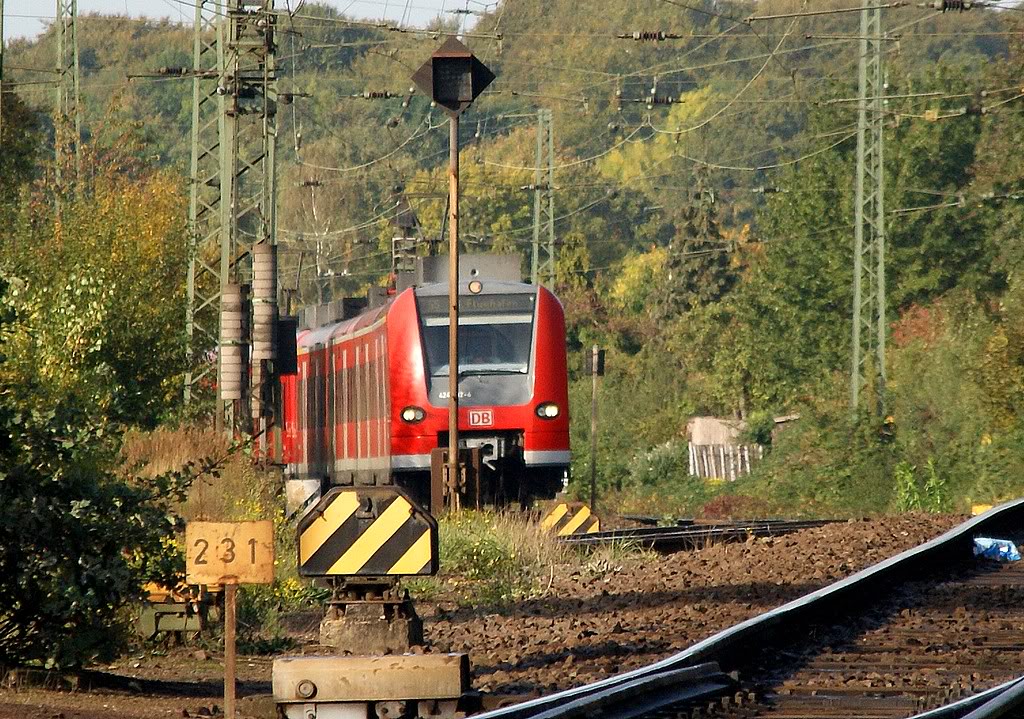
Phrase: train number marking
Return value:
(202, 545)
(481, 417)
(215, 552)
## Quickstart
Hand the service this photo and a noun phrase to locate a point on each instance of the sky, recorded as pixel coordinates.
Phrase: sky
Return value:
(27, 18)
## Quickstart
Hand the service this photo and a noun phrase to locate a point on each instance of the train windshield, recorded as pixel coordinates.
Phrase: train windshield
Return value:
(489, 344)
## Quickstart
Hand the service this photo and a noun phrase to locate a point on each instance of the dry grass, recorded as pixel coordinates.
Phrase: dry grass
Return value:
(168, 450)
(238, 490)
(493, 558)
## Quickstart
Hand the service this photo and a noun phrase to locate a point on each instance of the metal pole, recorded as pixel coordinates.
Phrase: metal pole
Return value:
(550, 190)
(230, 661)
(453, 309)
(76, 88)
(67, 112)
(1, 73)
(858, 206)
(535, 263)
(878, 127)
(869, 328)
(593, 429)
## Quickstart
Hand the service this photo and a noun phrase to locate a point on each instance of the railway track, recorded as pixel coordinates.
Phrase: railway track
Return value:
(691, 535)
(932, 632)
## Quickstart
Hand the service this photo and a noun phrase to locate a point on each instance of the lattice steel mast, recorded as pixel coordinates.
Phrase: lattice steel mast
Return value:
(542, 266)
(233, 195)
(67, 113)
(869, 325)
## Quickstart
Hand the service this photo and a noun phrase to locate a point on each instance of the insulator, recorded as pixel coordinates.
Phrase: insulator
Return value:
(377, 95)
(958, 5)
(234, 330)
(177, 71)
(649, 36)
(264, 301)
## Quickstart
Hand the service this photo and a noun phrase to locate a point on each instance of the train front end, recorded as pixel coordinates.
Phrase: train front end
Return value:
(513, 386)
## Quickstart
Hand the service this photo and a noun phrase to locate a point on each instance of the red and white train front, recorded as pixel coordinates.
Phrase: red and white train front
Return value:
(369, 401)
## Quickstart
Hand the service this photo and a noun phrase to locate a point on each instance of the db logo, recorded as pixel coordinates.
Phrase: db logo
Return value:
(481, 417)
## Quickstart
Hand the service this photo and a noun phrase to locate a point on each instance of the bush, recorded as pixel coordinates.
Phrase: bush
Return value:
(492, 558)
(665, 462)
(72, 537)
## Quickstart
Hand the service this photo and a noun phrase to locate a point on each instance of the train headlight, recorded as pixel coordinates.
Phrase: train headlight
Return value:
(548, 410)
(476, 287)
(413, 414)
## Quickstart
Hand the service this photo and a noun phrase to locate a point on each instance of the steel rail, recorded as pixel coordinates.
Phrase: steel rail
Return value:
(1009, 700)
(963, 708)
(692, 535)
(772, 626)
(648, 694)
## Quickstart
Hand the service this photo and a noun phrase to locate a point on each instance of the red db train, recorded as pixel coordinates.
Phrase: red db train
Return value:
(368, 402)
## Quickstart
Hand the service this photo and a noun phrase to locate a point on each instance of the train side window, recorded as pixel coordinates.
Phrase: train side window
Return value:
(371, 410)
(358, 389)
(374, 397)
(350, 412)
(346, 402)
(363, 398)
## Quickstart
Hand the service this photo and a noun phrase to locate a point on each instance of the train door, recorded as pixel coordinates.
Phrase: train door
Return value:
(317, 383)
(329, 413)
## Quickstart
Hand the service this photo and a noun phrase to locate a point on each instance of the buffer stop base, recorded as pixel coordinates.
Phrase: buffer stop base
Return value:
(402, 686)
(370, 617)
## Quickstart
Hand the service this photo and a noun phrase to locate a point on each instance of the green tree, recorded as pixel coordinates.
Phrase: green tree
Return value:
(72, 531)
(21, 141)
(698, 264)
(102, 290)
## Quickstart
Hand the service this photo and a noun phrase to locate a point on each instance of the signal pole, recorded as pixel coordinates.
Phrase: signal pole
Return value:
(542, 269)
(869, 326)
(232, 204)
(67, 112)
(453, 308)
(453, 78)
(595, 363)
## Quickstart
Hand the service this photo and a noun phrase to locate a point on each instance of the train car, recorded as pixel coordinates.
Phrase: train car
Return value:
(368, 403)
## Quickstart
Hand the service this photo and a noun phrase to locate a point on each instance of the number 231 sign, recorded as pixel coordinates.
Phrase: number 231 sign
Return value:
(229, 552)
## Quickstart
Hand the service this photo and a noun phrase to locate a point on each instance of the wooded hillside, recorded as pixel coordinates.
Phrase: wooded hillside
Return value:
(705, 237)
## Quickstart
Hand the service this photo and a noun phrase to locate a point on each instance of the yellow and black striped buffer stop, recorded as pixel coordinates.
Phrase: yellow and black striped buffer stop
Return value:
(565, 518)
(367, 531)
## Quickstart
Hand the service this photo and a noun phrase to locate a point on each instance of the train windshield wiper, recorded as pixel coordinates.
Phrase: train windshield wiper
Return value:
(480, 372)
